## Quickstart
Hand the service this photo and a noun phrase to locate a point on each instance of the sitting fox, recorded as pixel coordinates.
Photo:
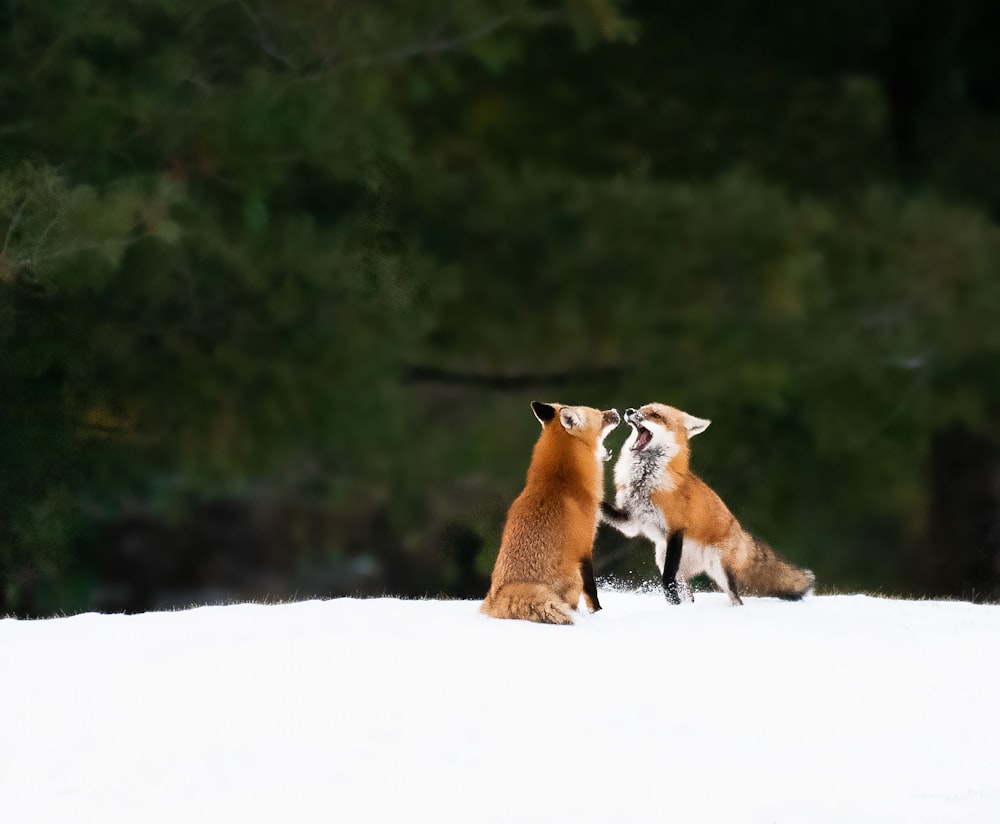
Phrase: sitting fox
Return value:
(658, 496)
(545, 560)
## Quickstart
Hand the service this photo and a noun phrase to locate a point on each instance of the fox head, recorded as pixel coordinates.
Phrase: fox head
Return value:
(583, 422)
(659, 427)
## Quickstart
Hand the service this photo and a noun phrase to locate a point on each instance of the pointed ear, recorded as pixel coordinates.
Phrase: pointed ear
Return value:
(570, 417)
(545, 412)
(695, 425)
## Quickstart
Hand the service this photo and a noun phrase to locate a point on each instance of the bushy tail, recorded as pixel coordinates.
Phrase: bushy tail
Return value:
(769, 574)
(529, 602)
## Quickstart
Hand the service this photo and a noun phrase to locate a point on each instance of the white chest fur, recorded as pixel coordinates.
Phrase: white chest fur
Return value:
(637, 474)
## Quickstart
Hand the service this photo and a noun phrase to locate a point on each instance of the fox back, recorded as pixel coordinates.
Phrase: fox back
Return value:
(545, 556)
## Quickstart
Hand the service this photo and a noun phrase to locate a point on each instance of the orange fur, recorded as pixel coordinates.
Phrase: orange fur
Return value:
(657, 495)
(545, 558)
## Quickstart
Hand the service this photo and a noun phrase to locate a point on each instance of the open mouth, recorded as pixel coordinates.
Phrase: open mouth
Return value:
(643, 439)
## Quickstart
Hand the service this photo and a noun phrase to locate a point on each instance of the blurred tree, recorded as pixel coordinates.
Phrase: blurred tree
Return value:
(204, 289)
(310, 261)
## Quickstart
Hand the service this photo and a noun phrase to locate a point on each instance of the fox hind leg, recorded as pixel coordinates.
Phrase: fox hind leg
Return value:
(723, 579)
(733, 590)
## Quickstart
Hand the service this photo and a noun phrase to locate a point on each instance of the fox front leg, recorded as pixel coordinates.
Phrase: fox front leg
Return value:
(670, 566)
(589, 584)
(619, 519)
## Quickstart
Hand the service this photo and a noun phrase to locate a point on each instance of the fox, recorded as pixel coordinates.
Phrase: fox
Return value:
(545, 561)
(692, 530)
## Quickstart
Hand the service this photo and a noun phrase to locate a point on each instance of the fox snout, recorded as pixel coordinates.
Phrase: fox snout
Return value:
(612, 418)
(631, 414)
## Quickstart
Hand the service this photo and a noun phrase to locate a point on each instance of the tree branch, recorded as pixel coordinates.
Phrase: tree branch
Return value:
(433, 44)
(84, 247)
(262, 36)
(13, 225)
(418, 373)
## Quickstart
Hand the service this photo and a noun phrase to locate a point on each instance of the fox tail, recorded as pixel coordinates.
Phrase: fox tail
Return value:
(528, 602)
(769, 574)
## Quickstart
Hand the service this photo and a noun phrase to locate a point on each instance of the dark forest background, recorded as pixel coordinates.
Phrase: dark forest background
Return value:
(278, 281)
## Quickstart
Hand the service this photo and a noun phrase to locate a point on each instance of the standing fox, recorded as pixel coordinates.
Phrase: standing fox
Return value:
(545, 560)
(692, 530)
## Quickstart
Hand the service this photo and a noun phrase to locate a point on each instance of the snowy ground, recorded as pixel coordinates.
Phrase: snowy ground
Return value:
(837, 709)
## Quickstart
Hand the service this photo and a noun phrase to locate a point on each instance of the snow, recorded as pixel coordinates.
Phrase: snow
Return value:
(839, 708)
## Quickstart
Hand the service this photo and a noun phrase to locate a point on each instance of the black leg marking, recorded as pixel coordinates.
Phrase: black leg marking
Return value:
(734, 591)
(589, 584)
(612, 514)
(672, 563)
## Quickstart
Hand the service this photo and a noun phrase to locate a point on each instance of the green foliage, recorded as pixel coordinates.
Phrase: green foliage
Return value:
(802, 327)
(204, 283)
(331, 251)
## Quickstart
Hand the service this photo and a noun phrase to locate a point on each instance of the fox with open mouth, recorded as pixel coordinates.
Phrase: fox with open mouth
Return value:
(692, 530)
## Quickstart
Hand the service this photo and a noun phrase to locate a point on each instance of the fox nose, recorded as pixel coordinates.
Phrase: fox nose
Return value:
(629, 413)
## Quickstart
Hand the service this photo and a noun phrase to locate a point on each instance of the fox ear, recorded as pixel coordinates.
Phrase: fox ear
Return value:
(695, 425)
(570, 417)
(545, 412)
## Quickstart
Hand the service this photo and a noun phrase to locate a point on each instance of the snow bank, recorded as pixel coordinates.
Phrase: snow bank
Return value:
(840, 708)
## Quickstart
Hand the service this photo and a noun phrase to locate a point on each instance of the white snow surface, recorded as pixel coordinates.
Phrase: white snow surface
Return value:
(835, 709)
